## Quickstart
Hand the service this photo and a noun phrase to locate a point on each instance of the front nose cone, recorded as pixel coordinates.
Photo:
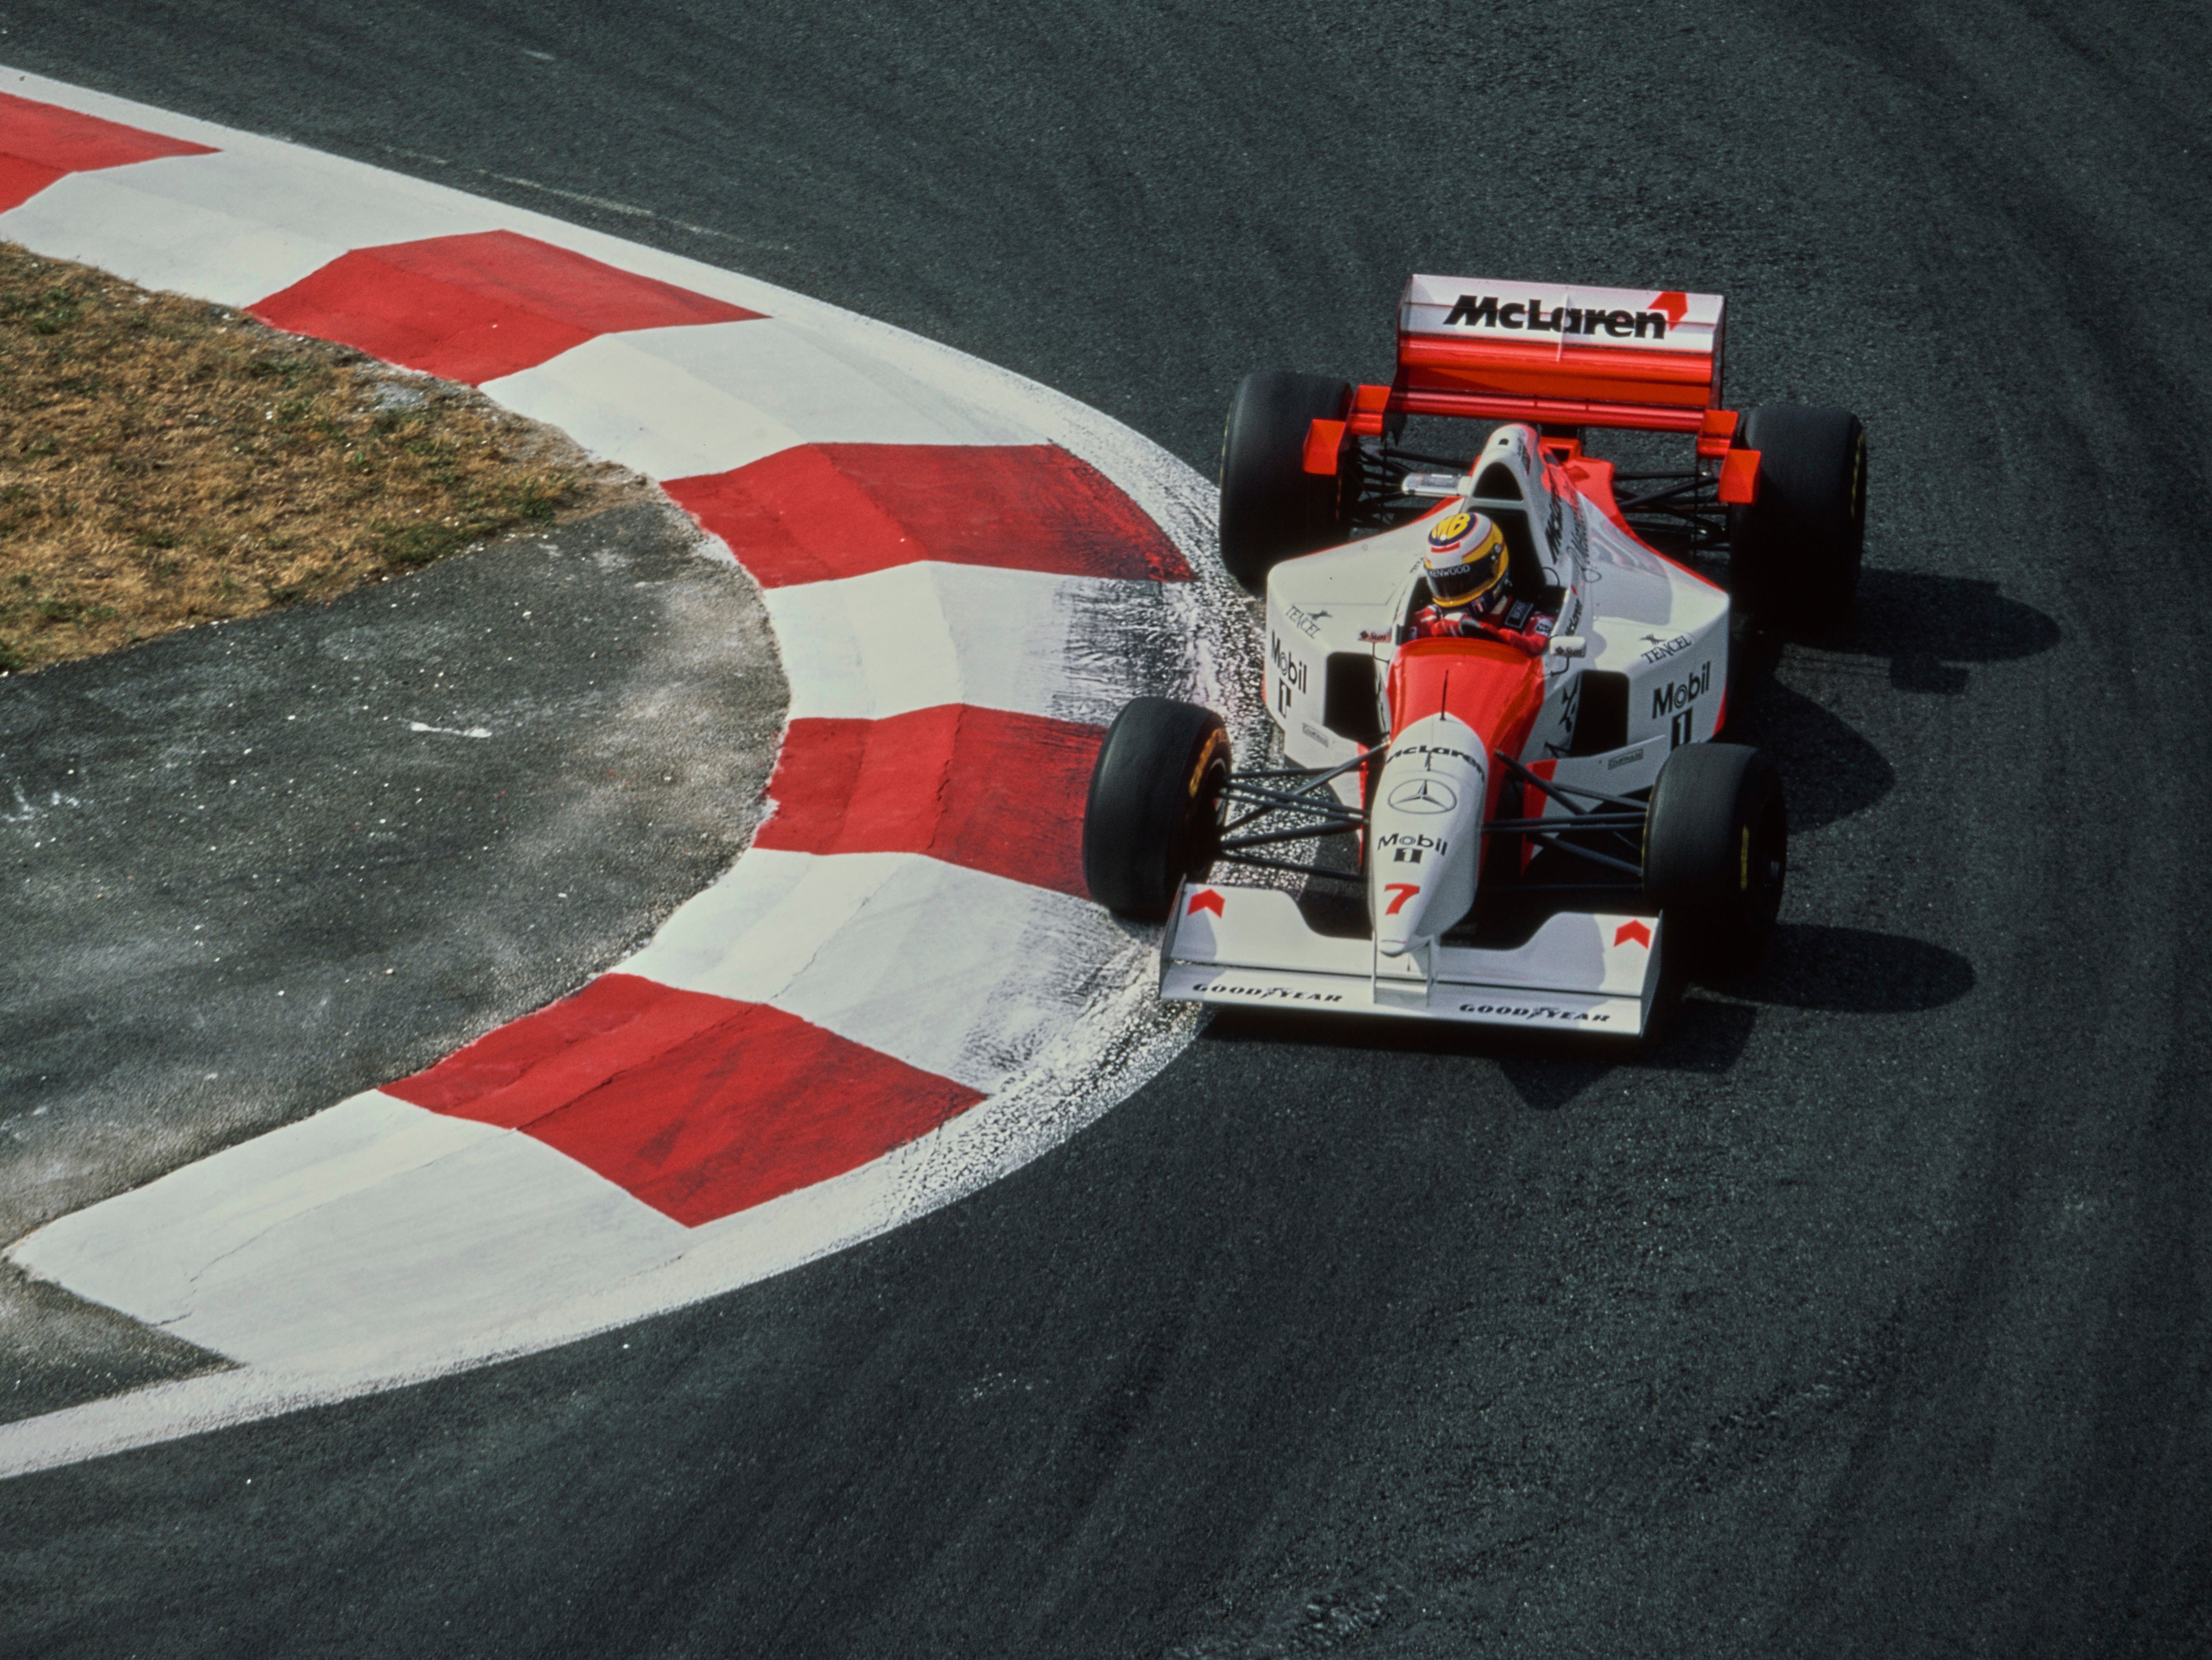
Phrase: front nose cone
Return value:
(1425, 823)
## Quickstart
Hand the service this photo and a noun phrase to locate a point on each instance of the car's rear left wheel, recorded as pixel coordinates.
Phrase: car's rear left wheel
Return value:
(1272, 509)
(1716, 854)
(1153, 817)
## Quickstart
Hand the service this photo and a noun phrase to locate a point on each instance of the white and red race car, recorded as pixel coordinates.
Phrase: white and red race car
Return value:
(1516, 830)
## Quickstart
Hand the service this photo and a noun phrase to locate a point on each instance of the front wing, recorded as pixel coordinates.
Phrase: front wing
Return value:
(1252, 947)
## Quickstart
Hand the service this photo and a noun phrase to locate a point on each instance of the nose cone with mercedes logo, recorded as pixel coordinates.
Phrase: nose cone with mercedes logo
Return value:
(1426, 825)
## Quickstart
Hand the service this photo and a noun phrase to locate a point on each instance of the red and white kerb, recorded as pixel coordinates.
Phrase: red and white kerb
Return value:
(954, 562)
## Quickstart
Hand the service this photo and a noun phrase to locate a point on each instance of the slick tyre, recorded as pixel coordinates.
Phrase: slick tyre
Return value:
(1716, 854)
(1153, 817)
(1795, 550)
(1272, 509)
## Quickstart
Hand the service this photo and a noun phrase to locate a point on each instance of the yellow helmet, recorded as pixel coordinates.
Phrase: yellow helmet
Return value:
(1467, 559)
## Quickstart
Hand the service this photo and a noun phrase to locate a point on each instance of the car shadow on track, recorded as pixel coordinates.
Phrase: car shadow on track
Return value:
(1927, 630)
(1810, 966)
(1930, 628)
(1841, 970)
(1829, 769)
(1546, 1070)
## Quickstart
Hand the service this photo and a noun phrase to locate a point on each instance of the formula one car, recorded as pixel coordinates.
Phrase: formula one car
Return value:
(1530, 827)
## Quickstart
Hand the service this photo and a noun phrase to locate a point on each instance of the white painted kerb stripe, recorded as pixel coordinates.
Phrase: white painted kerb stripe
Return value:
(678, 403)
(369, 1219)
(238, 226)
(845, 941)
(915, 636)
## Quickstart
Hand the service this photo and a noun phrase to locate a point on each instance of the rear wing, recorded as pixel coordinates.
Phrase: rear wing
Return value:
(1554, 356)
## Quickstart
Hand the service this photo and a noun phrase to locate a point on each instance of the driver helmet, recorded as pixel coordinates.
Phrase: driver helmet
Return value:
(1465, 561)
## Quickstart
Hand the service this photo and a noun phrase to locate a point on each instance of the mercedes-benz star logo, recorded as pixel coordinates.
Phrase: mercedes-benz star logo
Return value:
(1424, 795)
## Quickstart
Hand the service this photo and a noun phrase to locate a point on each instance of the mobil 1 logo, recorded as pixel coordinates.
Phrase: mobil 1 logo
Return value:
(1410, 847)
(1676, 703)
(1290, 675)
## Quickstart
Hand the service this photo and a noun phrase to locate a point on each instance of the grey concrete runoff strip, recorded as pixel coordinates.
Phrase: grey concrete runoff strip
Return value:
(249, 869)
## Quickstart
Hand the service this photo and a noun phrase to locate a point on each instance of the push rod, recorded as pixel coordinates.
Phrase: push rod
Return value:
(1582, 821)
(1555, 790)
(1605, 859)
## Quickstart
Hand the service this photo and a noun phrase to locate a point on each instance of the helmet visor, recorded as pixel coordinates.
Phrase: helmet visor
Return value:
(1455, 580)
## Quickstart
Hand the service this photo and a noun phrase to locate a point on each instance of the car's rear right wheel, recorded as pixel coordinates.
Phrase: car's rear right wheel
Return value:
(1153, 817)
(1716, 854)
(1272, 509)
(1795, 550)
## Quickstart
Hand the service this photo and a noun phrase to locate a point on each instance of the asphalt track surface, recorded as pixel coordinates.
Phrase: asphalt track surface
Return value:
(1865, 1313)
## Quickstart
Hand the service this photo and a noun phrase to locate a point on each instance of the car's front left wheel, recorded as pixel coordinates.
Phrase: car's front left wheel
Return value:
(1153, 816)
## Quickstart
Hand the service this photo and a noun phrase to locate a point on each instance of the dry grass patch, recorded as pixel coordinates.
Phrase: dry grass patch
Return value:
(164, 462)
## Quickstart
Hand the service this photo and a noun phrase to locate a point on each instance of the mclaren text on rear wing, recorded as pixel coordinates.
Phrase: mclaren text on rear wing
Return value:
(1549, 353)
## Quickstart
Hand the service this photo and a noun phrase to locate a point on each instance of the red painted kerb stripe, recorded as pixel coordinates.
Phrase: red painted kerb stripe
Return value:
(41, 142)
(819, 512)
(476, 307)
(977, 788)
(700, 1106)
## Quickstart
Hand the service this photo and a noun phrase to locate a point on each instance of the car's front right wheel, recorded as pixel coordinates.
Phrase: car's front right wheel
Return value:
(1153, 816)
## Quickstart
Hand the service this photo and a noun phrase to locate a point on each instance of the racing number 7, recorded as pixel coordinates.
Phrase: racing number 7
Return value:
(1405, 890)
